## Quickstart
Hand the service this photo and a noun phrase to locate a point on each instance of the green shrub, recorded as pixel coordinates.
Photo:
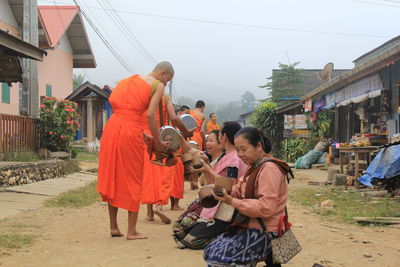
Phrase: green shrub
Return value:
(58, 123)
(266, 119)
(297, 147)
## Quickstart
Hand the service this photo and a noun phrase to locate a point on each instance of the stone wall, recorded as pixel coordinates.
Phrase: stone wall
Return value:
(27, 173)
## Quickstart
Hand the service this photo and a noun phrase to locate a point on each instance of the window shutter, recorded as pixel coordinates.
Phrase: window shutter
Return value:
(5, 93)
(49, 90)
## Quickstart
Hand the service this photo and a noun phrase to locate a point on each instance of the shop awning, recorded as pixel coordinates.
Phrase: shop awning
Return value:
(357, 92)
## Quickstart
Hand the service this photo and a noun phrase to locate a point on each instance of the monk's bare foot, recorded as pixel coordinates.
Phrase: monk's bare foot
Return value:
(116, 233)
(135, 236)
(176, 208)
(164, 218)
(150, 218)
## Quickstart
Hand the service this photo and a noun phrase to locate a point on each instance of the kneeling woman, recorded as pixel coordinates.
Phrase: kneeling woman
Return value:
(259, 197)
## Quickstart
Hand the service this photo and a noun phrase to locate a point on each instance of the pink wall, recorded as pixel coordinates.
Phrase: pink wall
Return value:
(57, 71)
(13, 107)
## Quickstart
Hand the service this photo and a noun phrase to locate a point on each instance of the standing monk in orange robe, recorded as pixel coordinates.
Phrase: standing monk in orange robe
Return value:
(122, 145)
(198, 135)
(198, 115)
(178, 187)
(158, 180)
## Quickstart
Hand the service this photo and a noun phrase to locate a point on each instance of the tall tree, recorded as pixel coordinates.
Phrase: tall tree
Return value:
(248, 101)
(285, 83)
(78, 80)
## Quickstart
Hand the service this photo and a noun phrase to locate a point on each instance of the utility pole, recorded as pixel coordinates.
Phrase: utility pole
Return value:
(29, 104)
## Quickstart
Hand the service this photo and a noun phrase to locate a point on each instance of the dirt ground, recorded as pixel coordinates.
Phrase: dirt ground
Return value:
(79, 237)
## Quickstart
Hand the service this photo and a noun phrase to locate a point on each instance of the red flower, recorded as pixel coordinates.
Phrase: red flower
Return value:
(50, 133)
(47, 98)
(76, 104)
(41, 106)
(48, 110)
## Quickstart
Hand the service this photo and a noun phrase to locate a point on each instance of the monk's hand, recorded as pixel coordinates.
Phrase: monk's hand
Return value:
(160, 146)
(222, 196)
(148, 139)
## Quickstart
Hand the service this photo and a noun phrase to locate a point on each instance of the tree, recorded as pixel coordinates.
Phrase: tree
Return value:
(228, 111)
(78, 80)
(248, 101)
(287, 82)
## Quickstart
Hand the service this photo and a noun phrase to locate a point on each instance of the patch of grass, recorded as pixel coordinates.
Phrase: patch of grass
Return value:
(87, 156)
(77, 198)
(348, 204)
(21, 157)
(10, 241)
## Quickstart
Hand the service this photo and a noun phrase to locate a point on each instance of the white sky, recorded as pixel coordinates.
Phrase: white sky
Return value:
(219, 62)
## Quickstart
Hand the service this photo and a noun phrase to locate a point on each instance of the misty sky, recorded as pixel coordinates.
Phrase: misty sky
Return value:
(218, 62)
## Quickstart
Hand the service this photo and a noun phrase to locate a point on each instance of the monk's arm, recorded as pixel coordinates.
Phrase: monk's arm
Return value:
(151, 112)
(202, 133)
(176, 122)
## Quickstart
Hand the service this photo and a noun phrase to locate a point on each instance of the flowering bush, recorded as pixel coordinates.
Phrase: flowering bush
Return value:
(58, 123)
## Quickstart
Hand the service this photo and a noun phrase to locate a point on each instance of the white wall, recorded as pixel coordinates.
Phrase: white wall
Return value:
(65, 45)
(6, 14)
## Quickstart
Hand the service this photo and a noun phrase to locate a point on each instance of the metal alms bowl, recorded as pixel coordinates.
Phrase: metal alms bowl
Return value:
(169, 130)
(188, 121)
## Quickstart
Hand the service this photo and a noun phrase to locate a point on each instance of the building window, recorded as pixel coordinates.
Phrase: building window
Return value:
(5, 93)
(49, 90)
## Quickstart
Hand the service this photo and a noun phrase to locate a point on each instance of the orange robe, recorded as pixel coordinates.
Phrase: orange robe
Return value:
(122, 147)
(196, 135)
(157, 180)
(179, 184)
(211, 126)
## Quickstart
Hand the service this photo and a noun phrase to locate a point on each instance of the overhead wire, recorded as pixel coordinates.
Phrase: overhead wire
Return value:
(105, 41)
(254, 25)
(136, 40)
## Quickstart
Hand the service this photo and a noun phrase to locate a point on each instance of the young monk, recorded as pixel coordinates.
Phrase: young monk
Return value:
(158, 180)
(122, 147)
(197, 113)
(198, 136)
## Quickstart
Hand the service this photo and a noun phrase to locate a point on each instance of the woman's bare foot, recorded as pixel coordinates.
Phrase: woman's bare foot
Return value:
(135, 236)
(176, 208)
(164, 218)
(116, 233)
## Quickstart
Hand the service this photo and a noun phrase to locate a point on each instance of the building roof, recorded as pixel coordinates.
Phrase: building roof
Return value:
(289, 107)
(59, 20)
(54, 22)
(10, 49)
(85, 90)
(362, 70)
(377, 51)
(310, 79)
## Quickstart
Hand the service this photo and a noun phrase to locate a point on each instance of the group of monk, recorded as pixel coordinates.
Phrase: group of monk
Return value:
(127, 178)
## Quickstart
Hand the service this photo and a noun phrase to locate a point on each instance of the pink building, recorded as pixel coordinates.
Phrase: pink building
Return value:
(62, 34)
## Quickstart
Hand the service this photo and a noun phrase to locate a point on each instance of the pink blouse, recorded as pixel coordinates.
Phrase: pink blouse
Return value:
(271, 190)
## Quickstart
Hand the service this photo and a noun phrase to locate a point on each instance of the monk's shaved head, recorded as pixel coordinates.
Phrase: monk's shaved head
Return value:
(164, 66)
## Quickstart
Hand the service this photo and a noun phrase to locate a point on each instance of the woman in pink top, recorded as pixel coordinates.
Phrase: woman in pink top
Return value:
(259, 197)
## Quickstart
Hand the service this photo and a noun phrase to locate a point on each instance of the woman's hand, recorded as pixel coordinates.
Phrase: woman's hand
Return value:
(206, 168)
(189, 133)
(225, 198)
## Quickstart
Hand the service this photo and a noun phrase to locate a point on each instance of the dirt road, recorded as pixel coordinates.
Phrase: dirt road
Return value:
(79, 237)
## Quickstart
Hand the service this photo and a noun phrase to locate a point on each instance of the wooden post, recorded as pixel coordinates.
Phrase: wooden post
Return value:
(30, 94)
(90, 120)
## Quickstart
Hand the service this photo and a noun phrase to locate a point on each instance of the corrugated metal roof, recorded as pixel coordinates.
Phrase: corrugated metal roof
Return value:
(310, 79)
(377, 51)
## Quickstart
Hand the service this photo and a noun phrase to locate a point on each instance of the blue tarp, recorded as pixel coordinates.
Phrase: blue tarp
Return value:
(385, 165)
